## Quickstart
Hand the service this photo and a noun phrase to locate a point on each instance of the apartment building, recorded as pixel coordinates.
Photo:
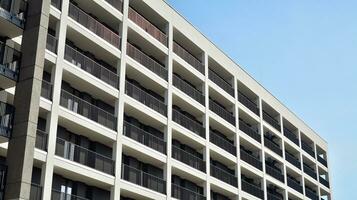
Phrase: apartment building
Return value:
(125, 99)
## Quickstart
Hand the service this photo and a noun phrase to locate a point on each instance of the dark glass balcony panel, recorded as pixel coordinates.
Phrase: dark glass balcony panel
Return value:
(144, 137)
(10, 60)
(188, 57)
(188, 89)
(250, 159)
(35, 192)
(117, 4)
(6, 119)
(91, 66)
(222, 112)
(46, 90)
(51, 43)
(18, 17)
(182, 193)
(58, 195)
(272, 196)
(223, 176)
(324, 182)
(311, 172)
(272, 146)
(41, 140)
(146, 61)
(93, 25)
(274, 173)
(147, 26)
(292, 160)
(188, 123)
(273, 122)
(291, 136)
(143, 179)
(294, 184)
(222, 143)
(322, 160)
(57, 4)
(252, 106)
(87, 110)
(84, 156)
(226, 86)
(307, 148)
(252, 189)
(188, 159)
(243, 126)
(311, 194)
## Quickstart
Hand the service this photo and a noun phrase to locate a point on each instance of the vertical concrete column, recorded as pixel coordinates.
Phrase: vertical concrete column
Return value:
(170, 33)
(27, 96)
(206, 124)
(237, 139)
(283, 149)
(262, 147)
(115, 193)
(56, 76)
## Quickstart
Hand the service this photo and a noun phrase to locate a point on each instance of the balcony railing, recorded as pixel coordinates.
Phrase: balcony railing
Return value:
(143, 179)
(311, 172)
(93, 25)
(222, 112)
(147, 26)
(188, 57)
(118, 4)
(188, 159)
(35, 192)
(179, 192)
(188, 123)
(307, 148)
(223, 176)
(57, 4)
(222, 143)
(273, 122)
(58, 195)
(291, 136)
(89, 65)
(292, 160)
(294, 184)
(46, 90)
(243, 126)
(272, 146)
(188, 89)
(272, 196)
(146, 61)
(51, 43)
(311, 194)
(10, 60)
(41, 140)
(144, 137)
(221, 82)
(87, 110)
(16, 18)
(322, 160)
(248, 103)
(324, 182)
(145, 98)
(250, 159)
(84, 156)
(252, 189)
(274, 172)
(6, 119)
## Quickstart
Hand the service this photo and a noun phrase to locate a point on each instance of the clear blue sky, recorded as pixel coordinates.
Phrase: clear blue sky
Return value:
(305, 53)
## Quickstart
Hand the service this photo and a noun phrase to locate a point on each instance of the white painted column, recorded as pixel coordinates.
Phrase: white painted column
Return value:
(206, 124)
(237, 138)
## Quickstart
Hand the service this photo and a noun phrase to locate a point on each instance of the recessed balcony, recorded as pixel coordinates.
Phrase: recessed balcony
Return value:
(291, 136)
(188, 121)
(188, 88)
(221, 111)
(51, 43)
(222, 141)
(180, 192)
(308, 148)
(248, 156)
(221, 82)
(12, 17)
(274, 171)
(6, 120)
(41, 140)
(270, 141)
(225, 175)
(311, 193)
(292, 159)
(294, 184)
(188, 57)
(310, 171)
(249, 130)
(271, 120)
(252, 188)
(46, 90)
(247, 102)
(10, 60)
(188, 158)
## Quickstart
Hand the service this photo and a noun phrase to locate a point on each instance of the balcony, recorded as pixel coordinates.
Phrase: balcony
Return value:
(188, 159)
(188, 123)
(222, 112)
(10, 60)
(3, 174)
(46, 90)
(224, 176)
(93, 25)
(188, 89)
(252, 189)
(294, 184)
(213, 76)
(188, 57)
(324, 182)
(272, 196)
(143, 179)
(292, 160)
(145, 98)
(58, 195)
(252, 106)
(41, 140)
(6, 119)
(88, 110)
(272, 146)
(51, 43)
(310, 171)
(91, 66)
(146, 61)
(322, 160)
(179, 192)
(12, 17)
(57, 4)
(147, 26)
(144, 137)
(84, 156)
(247, 129)
(291, 136)
(272, 171)
(308, 149)
(311, 194)
(222, 142)
(35, 192)
(250, 159)
(117, 4)
(273, 122)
